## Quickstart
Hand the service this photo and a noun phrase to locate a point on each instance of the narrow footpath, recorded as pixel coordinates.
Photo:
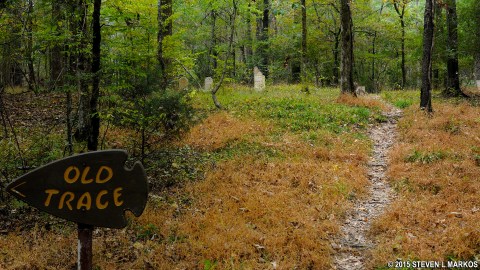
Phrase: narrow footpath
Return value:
(353, 243)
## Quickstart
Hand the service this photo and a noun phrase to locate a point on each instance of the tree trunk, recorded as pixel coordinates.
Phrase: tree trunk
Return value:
(97, 39)
(56, 57)
(249, 41)
(439, 57)
(32, 84)
(304, 45)
(428, 28)
(453, 80)
(165, 28)
(336, 62)
(212, 55)
(262, 36)
(401, 15)
(374, 40)
(229, 52)
(346, 64)
(78, 69)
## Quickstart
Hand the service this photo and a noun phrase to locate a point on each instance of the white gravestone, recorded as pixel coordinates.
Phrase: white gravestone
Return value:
(360, 91)
(258, 80)
(208, 84)
(182, 83)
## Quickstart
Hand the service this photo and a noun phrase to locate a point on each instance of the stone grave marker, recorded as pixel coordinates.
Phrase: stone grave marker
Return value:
(182, 83)
(360, 90)
(258, 80)
(208, 84)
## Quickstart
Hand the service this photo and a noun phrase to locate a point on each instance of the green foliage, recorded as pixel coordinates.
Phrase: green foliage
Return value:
(296, 115)
(402, 103)
(175, 166)
(147, 231)
(36, 149)
(295, 111)
(402, 99)
(476, 155)
(209, 265)
(425, 157)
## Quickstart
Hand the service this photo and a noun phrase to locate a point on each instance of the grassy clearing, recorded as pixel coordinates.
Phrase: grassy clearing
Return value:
(401, 99)
(280, 170)
(435, 170)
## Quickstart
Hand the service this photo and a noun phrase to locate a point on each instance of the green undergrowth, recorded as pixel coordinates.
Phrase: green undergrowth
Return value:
(316, 119)
(293, 110)
(402, 98)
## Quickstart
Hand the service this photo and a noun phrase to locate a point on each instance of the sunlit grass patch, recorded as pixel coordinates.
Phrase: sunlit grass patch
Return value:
(402, 99)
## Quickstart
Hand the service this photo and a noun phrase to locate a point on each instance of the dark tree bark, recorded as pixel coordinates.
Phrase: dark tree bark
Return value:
(32, 82)
(215, 89)
(56, 55)
(336, 61)
(212, 55)
(428, 30)
(453, 80)
(439, 50)
(374, 52)
(304, 45)
(346, 64)
(78, 67)
(262, 36)
(92, 144)
(249, 41)
(400, 9)
(165, 29)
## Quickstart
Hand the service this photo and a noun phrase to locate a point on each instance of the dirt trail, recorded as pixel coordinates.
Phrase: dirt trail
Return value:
(353, 244)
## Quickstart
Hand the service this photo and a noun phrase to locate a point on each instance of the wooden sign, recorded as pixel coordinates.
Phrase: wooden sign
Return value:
(92, 188)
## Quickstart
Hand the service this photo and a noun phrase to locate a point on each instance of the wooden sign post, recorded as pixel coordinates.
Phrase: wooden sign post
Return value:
(91, 189)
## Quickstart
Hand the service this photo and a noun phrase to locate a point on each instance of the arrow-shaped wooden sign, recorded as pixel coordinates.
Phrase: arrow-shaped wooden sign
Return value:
(93, 188)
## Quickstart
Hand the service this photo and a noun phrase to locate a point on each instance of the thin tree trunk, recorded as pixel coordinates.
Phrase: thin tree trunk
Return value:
(249, 41)
(97, 39)
(78, 68)
(229, 52)
(56, 57)
(304, 45)
(262, 36)
(428, 30)
(32, 84)
(165, 29)
(438, 50)
(213, 43)
(69, 123)
(374, 88)
(453, 80)
(346, 65)
(336, 62)
(401, 15)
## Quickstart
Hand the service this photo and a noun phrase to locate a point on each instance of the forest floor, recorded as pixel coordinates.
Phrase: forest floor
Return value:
(268, 183)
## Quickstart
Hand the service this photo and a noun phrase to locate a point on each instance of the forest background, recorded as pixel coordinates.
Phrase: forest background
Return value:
(104, 74)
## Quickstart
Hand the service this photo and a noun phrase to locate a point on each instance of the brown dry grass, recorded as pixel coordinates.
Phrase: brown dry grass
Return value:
(362, 101)
(221, 128)
(250, 212)
(436, 215)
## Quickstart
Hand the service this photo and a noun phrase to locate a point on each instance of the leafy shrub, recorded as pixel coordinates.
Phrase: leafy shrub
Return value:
(402, 103)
